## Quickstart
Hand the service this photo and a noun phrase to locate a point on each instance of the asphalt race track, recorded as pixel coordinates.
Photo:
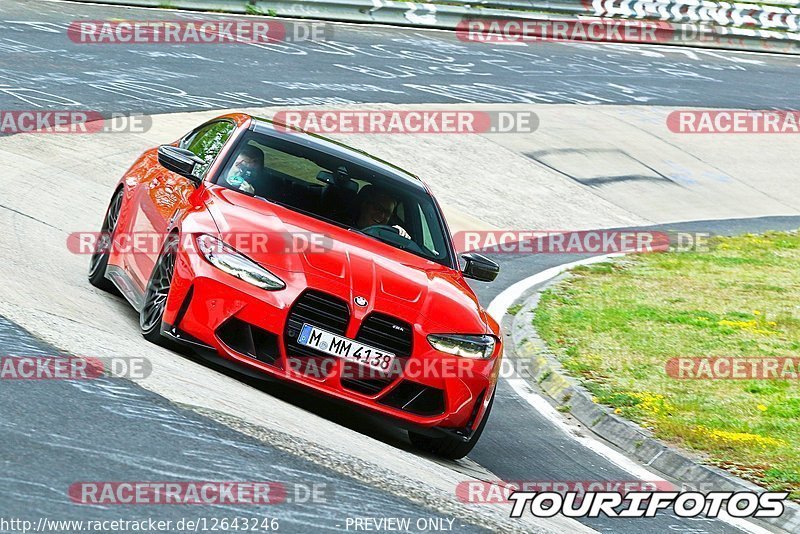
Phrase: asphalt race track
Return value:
(120, 431)
(362, 64)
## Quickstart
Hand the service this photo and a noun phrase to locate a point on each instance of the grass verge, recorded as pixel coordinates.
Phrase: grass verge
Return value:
(615, 326)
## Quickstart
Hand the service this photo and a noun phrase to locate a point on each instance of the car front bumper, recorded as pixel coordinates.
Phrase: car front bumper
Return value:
(434, 392)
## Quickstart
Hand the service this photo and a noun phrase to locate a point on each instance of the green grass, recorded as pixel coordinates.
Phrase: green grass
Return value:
(251, 9)
(514, 309)
(615, 325)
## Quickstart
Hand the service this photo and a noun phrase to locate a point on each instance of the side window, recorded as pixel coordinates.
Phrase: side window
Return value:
(427, 237)
(207, 142)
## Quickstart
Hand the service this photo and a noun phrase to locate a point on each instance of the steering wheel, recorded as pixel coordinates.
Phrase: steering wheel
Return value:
(390, 234)
(376, 229)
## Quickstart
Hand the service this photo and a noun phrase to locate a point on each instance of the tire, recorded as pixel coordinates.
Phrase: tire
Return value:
(450, 447)
(99, 261)
(156, 294)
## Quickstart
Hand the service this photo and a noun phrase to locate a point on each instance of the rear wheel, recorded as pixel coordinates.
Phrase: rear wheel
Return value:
(155, 296)
(450, 447)
(99, 261)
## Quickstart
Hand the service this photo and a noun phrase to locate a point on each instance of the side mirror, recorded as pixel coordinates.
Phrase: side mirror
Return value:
(479, 267)
(179, 161)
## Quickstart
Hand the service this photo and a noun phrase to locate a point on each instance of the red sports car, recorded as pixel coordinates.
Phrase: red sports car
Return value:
(302, 259)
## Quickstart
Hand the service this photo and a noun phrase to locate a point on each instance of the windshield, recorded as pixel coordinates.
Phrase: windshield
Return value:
(339, 191)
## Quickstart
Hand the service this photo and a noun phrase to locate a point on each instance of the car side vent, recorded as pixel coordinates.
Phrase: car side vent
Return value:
(415, 398)
(249, 340)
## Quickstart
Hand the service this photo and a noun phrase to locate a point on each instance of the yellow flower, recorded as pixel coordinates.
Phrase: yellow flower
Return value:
(617, 410)
(724, 437)
(761, 408)
(756, 312)
(748, 326)
(652, 403)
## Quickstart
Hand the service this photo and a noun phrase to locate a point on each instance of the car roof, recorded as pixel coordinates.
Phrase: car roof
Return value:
(341, 150)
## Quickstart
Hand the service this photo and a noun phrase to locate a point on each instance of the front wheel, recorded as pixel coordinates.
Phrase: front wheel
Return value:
(450, 447)
(99, 262)
(155, 296)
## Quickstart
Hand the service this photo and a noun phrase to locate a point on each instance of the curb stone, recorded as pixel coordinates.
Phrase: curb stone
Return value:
(546, 372)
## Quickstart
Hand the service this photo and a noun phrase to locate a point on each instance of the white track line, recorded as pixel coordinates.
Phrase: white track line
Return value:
(497, 309)
(420, 29)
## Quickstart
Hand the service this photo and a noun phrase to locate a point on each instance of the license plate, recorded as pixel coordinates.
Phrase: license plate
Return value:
(345, 348)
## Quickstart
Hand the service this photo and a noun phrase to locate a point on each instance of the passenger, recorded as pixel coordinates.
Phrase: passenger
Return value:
(246, 170)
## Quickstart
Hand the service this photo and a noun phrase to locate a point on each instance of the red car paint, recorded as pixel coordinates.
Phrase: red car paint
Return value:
(433, 298)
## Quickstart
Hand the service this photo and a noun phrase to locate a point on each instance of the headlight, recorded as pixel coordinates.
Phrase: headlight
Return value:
(466, 346)
(225, 258)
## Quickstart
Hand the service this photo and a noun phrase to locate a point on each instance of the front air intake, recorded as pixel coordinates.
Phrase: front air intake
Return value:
(386, 333)
(317, 309)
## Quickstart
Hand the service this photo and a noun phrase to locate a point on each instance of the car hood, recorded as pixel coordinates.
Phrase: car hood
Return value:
(308, 252)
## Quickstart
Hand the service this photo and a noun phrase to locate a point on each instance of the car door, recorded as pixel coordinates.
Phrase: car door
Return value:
(163, 195)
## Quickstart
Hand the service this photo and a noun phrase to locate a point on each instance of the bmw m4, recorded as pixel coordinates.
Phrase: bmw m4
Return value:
(305, 260)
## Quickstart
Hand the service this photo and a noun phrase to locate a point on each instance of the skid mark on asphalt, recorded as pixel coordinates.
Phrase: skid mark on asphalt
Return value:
(30, 217)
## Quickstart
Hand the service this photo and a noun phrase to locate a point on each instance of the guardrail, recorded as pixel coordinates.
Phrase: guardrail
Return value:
(773, 27)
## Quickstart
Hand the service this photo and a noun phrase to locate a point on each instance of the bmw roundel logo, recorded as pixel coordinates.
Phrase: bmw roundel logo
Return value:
(360, 301)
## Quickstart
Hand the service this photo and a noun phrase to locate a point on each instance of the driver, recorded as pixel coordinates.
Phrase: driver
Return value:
(245, 170)
(377, 207)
